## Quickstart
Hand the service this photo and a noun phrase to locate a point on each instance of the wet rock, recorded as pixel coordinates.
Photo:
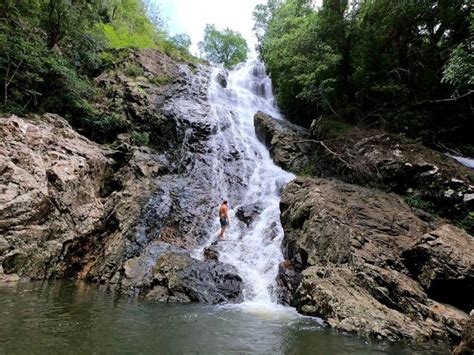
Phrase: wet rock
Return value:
(272, 231)
(138, 270)
(13, 262)
(350, 244)
(189, 280)
(466, 347)
(287, 280)
(222, 78)
(211, 253)
(288, 143)
(249, 213)
(443, 263)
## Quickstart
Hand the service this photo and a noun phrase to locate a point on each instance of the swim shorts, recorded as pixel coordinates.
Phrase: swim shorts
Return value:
(223, 221)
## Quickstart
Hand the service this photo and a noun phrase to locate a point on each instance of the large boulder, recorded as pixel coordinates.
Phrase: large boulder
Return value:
(288, 143)
(179, 278)
(351, 246)
(248, 213)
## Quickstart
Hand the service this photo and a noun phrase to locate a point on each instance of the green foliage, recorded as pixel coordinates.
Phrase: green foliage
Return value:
(126, 25)
(332, 127)
(225, 47)
(307, 171)
(459, 70)
(102, 127)
(263, 16)
(371, 55)
(51, 49)
(161, 80)
(182, 41)
(22, 65)
(416, 201)
(133, 70)
(139, 138)
(467, 223)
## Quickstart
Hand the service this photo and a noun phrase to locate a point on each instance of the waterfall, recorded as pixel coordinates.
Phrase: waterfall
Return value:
(244, 174)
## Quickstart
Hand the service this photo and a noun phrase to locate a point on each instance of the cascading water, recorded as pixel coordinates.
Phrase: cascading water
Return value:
(249, 176)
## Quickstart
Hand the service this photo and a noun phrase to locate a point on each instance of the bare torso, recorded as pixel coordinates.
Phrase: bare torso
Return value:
(223, 211)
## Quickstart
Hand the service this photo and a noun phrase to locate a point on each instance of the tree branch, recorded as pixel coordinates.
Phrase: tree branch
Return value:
(444, 100)
(322, 144)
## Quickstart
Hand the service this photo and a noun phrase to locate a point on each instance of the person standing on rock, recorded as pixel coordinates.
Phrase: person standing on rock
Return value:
(224, 218)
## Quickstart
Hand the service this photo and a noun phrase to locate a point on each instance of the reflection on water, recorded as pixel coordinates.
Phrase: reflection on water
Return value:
(75, 317)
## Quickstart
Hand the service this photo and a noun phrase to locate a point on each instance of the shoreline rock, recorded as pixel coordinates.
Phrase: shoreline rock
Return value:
(352, 247)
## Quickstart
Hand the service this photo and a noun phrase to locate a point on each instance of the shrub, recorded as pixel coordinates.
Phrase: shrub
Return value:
(139, 138)
(416, 201)
(467, 223)
(134, 70)
(161, 80)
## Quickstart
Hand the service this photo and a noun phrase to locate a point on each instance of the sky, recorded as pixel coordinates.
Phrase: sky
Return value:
(191, 16)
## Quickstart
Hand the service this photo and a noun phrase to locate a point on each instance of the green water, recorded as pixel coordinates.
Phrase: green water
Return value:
(79, 318)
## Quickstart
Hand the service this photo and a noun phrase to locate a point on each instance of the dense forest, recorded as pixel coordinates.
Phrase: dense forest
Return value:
(52, 49)
(406, 65)
(401, 65)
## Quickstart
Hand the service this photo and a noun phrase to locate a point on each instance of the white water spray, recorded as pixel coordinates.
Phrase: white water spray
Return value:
(244, 174)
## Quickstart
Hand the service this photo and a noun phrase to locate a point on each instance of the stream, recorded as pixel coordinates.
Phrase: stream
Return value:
(77, 317)
(80, 318)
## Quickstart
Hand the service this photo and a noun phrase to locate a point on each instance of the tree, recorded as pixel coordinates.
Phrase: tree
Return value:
(349, 58)
(225, 47)
(459, 70)
(263, 16)
(181, 40)
(21, 64)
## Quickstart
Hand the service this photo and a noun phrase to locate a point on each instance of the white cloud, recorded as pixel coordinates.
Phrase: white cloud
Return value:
(191, 16)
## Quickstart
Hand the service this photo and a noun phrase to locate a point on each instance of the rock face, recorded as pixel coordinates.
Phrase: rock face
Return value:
(443, 263)
(432, 181)
(62, 194)
(51, 181)
(287, 142)
(179, 278)
(355, 251)
(288, 281)
(222, 77)
(72, 208)
(395, 163)
(466, 347)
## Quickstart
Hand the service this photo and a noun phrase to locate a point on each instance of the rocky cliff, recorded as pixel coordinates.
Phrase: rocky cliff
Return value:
(70, 207)
(369, 265)
(364, 258)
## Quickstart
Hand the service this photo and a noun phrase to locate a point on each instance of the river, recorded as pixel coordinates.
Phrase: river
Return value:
(80, 318)
(76, 317)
